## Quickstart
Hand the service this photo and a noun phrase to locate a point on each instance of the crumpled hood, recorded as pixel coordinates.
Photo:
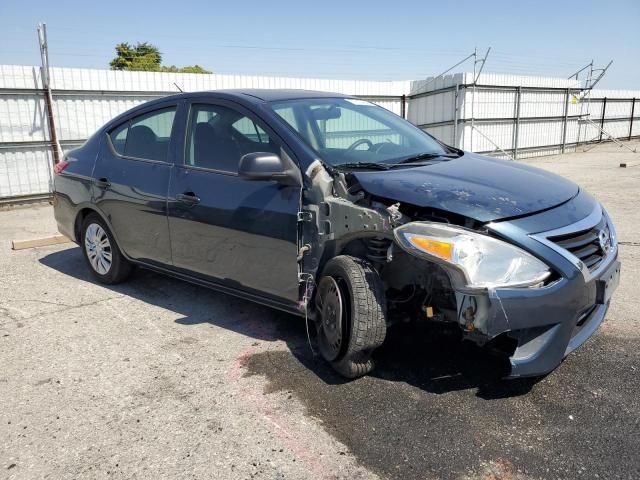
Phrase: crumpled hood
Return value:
(483, 188)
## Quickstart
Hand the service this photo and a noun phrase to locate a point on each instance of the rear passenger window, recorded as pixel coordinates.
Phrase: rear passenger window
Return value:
(146, 136)
(119, 138)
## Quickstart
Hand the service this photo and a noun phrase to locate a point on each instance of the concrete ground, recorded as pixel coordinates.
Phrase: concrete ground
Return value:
(157, 378)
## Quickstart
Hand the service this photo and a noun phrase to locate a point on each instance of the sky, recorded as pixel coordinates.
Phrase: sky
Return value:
(373, 40)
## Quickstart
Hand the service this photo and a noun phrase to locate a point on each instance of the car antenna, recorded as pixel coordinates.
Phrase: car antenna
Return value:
(178, 87)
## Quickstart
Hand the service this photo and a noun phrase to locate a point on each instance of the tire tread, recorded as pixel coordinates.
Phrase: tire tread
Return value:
(368, 324)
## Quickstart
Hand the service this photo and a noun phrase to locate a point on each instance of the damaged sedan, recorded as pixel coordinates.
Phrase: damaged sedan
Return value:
(341, 212)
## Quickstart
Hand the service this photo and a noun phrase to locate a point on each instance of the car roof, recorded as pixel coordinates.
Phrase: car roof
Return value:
(257, 94)
(242, 95)
(270, 95)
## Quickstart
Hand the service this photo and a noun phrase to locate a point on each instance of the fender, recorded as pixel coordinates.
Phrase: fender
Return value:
(76, 225)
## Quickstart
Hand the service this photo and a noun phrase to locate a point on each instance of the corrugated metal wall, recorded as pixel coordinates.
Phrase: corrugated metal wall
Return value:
(522, 115)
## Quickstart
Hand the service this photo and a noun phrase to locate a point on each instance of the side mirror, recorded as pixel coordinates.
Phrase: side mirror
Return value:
(261, 166)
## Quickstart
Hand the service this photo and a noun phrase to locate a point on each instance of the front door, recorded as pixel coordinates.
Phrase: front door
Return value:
(224, 228)
(131, 180)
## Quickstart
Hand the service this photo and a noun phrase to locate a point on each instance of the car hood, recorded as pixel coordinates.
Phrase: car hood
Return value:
(483, 188)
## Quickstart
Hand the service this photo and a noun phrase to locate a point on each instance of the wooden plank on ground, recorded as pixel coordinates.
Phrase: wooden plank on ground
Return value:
(38, 242)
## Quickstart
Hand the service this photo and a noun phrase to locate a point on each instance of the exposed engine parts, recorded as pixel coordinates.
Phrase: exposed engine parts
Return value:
(338, 217)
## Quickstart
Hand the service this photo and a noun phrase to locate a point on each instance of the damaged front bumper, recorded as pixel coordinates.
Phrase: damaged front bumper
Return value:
(547, 323)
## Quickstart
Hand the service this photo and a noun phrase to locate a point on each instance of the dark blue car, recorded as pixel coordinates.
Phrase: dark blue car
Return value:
(333, 208)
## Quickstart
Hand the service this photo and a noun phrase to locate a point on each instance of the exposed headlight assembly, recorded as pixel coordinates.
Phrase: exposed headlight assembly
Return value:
(483, 261)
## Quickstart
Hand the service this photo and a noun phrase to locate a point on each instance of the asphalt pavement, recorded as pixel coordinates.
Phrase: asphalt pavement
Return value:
(157, 378)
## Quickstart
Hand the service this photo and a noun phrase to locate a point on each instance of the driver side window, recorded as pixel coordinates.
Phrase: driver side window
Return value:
(219, 136)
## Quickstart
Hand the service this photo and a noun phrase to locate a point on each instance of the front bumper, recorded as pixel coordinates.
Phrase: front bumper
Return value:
(550, 322)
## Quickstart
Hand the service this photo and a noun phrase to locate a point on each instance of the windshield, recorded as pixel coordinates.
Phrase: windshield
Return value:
(346, 131)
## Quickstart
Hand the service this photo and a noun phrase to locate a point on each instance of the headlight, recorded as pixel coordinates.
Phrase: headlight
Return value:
(484, 261)
(612, 229)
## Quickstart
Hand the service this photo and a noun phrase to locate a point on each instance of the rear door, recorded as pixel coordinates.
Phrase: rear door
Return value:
(131, 180)
(224, 228)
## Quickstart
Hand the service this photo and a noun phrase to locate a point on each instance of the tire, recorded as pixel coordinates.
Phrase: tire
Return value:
(361, 308)
(94, 231)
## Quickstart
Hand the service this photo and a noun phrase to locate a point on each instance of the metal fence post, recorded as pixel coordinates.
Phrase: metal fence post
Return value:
(604, 108)
(564, 124)
(517, 123)
(633, 108)
(455, 115)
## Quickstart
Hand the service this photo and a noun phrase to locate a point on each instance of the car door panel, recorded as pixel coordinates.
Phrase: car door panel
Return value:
(131, 191)
(135, 204)
(242, 233)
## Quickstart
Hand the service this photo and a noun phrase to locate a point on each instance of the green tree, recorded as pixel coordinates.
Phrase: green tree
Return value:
(190, 69)
(139, 57)
(147, 58)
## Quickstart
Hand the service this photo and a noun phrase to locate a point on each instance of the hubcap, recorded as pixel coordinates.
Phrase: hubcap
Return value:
(330, 325)
(98, 248)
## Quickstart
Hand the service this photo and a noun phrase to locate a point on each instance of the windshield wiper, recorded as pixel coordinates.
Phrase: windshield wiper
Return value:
(426, 156)
(405, 161)
(363, 165)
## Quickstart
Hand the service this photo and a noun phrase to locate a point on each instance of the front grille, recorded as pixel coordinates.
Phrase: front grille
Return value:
(586, 244)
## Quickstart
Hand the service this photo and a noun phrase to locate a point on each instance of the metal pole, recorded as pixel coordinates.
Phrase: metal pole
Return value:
(582, 101)
(611, 137)
(403, 106)
(495, 145)
(473, 97)
(433, 79)
(455, 115)
(44, 54)
(633, 107)
(475, 82)
(564, 124)
(484, 60)
(604, 108)
(517, 123)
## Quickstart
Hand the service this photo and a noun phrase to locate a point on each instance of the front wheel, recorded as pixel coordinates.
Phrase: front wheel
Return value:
(351, 320)
(102, 253)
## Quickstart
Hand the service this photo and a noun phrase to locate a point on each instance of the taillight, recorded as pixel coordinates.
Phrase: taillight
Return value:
(60, 166)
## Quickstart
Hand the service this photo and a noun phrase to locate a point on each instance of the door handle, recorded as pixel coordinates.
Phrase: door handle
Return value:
(102, 183)
(188, 198)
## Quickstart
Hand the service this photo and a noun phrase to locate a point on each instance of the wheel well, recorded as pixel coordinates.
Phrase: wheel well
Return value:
(82, 214)
(355, 246)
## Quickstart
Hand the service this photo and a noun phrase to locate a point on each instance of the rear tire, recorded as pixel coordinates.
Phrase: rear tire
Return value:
(351, 308)
(105, 261)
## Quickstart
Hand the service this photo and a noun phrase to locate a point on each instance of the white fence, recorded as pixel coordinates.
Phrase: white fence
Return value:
(523, 116)
(84, 100)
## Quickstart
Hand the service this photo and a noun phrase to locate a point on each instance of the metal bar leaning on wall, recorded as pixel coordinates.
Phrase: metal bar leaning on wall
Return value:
(46, 83)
